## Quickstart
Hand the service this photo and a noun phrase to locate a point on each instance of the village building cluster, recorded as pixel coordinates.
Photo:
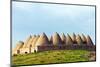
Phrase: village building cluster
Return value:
(41, 42)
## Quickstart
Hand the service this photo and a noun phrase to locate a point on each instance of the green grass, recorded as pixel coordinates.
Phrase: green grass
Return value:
(54, 56)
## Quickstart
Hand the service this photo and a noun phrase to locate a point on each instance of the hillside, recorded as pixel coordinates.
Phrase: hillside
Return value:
(50, 57)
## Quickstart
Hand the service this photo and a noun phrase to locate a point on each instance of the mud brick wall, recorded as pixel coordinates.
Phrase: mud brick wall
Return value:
(67, 47)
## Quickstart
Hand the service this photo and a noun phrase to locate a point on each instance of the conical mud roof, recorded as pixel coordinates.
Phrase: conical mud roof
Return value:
(30, 41)
(79, 40)
(69, 40)
(74, 38)
(19, 45)
(89, 41)
(83, 38)
(35, 40)
(43, 40)
(63, 37)
(27, 41)
(56, 39)
(51, 40)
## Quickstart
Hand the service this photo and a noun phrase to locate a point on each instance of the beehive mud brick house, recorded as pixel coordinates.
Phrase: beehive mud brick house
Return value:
(36, 43)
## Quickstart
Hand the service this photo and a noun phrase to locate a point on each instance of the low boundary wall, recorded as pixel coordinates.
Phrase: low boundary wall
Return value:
(67, 47)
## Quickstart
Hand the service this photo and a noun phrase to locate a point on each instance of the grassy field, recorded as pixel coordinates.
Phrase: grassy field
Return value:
(47, 57)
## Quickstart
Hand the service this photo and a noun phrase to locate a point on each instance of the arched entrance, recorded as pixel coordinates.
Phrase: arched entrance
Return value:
(34, 51)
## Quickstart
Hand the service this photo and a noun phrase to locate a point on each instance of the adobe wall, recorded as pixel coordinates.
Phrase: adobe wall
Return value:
(52, 47)
(24, 51)
(67, 47)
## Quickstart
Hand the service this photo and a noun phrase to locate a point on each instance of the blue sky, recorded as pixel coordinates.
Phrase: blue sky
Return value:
(35, 18)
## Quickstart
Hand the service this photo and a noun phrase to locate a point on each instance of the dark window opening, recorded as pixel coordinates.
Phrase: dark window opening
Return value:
(25, 52)
(74, 42)
(84, 42)
(18, 51)
(34, 51)
(30, 45)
